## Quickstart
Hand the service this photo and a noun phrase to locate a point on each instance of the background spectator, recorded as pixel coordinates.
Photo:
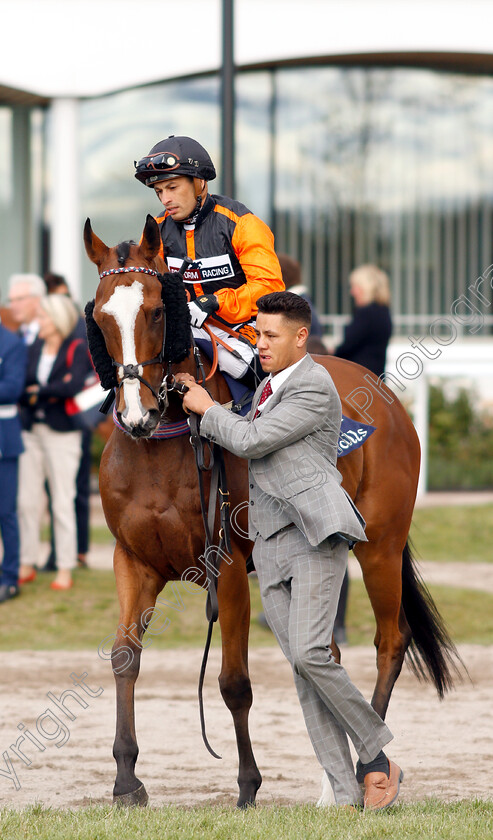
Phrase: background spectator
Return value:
(13, 359)
(52, 447)
(57, 284)
(25, 291)
(291, 275)
(367, 335)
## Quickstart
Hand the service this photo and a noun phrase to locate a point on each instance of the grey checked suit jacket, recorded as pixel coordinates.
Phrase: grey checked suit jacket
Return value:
(292, 452)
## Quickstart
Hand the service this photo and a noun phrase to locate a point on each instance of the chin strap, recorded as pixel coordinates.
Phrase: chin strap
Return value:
(193, 218)
(200, 196)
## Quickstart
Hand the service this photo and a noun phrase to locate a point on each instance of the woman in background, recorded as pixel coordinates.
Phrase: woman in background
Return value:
(52, 447)
(366, 337)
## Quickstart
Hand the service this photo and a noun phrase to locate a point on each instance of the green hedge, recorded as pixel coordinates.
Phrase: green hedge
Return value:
(460, 455)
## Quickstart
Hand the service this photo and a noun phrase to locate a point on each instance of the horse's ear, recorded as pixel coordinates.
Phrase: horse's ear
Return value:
(96, 249)
(151, 239)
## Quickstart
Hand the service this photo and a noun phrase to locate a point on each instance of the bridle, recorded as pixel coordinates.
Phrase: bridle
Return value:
(132, 371)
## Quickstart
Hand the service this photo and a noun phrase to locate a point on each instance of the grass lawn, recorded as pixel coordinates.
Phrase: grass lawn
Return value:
(468, 820)
(451, 534)
(81, 618)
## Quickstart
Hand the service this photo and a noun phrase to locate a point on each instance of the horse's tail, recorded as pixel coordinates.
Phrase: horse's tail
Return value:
(432, 654)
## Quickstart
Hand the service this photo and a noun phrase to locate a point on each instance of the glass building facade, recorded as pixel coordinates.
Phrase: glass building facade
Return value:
(21, 190)
(347, 164)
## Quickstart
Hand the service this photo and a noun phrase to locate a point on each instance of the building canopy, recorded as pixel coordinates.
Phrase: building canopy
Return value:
(77, 48)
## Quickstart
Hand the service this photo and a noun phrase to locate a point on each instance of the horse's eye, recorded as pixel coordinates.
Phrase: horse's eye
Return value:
(157, 315)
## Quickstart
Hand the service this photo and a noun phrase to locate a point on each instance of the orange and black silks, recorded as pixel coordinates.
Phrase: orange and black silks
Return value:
(234, 258)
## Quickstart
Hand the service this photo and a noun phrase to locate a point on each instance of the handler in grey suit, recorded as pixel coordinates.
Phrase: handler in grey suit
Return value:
(303, 522)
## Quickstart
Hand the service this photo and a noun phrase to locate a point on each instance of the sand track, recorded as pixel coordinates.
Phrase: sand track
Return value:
(444, 747)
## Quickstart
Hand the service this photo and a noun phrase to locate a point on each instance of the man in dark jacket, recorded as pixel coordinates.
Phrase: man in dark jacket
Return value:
(13, 359)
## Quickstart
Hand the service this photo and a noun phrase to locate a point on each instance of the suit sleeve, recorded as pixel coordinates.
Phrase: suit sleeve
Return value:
(253, 244)
(297, 415)
(13, 373)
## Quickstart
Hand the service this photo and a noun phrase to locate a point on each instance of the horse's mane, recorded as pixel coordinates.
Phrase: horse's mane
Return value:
(178, 332)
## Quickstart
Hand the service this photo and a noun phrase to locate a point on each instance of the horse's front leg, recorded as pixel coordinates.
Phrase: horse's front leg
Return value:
(137, 591)
(234, 682)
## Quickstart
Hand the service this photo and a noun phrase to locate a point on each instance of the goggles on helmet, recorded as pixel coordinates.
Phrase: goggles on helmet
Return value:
(160, 162)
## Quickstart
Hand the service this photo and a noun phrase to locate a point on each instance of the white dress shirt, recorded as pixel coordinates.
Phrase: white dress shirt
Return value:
(277, 380)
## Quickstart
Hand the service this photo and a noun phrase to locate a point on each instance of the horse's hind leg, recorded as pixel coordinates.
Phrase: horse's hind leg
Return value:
(382, 573)
(234, 681)
(137, 594)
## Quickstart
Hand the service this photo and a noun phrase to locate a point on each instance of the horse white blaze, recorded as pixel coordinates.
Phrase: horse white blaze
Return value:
(124, 305)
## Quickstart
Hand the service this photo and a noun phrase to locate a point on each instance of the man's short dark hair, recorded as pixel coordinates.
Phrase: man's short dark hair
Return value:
(292, 306)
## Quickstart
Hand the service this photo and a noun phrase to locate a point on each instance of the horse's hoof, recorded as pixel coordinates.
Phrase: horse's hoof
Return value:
(245, 803)
(137, 797)
(247, 795)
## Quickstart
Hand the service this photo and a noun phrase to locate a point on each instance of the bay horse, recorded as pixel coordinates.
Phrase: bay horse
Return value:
(150, 497)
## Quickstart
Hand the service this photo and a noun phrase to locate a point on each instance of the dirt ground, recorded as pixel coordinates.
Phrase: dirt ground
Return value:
(444, 747)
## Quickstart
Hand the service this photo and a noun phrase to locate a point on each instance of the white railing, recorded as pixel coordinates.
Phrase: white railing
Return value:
(407, 324)
(413, 363)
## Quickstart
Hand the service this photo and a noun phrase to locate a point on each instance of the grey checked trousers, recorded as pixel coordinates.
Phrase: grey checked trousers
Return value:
(299, 586)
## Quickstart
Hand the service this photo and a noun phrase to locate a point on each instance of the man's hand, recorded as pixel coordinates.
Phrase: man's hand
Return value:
(201, 308)
(196, 398)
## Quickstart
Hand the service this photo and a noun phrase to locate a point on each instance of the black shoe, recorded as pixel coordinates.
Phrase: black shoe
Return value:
(7, 592)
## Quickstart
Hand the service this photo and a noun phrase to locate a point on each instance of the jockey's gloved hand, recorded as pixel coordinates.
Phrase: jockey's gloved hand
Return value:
(201, 308)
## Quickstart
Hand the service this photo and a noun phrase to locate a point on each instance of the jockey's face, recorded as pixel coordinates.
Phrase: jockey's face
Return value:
(177, 195)
(280, 342)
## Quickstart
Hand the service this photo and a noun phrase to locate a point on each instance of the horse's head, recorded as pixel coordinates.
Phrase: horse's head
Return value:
(130, 309)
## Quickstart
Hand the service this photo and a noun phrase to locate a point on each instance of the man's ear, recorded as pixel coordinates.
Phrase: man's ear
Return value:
(302, 336)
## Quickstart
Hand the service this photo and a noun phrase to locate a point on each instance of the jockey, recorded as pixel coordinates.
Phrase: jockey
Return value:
(231, 251)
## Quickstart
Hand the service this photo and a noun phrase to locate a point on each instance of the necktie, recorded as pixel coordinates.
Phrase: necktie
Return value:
(265, 393)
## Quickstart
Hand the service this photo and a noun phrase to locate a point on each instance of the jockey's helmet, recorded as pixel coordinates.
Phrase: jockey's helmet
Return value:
(173, 157)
